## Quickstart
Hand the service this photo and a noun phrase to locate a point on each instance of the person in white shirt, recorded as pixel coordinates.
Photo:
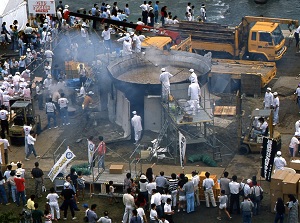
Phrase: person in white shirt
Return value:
(234, 188)
(31, 140)
(136, 122)
(165, 84)
(297, 93)
(293, 147)
(6, 148)
(279, 162)
(276, 108)
(194, 93)
(49, 54)
(63, 106)
(223, 199)
(150, 186)
(153, 214)
(105, 219)
(136, 42)
(4, 121)
(27, 130)
(203, 13)
(268, 100)
(297, 126)
(208, 185)
(245, 187)
(196, 182)
(53, 203)
(106, 37)
(156, 199)
(144, 8)
(128, 201)
(168, 211)
(141, 212)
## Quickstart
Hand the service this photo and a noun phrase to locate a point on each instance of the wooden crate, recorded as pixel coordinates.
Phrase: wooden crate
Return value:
(116, 169)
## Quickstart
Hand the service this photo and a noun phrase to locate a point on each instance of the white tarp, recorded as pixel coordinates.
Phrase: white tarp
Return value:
(123, 113)
(61, 163)
(11, 10)
(41, 6)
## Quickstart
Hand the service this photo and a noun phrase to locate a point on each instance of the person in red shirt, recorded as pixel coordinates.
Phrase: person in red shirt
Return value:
(20, 184)
(101, 152)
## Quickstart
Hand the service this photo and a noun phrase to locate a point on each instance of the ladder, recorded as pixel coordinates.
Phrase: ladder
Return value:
(163, 131)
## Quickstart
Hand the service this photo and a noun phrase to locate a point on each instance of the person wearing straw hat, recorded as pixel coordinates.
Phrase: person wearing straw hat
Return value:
(268, 100)
(136, 122)
(20, 184)
(276, 108)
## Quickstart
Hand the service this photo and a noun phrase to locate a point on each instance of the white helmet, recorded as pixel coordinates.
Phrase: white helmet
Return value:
(163, 69)
(278, 153)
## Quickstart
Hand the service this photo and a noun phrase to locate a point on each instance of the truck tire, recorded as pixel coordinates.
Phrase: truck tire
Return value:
(244, 149)
(260, 57)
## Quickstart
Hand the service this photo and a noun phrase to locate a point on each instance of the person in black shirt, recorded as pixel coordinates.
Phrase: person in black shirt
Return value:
(68, 194)
(280, 210)
(37, 174)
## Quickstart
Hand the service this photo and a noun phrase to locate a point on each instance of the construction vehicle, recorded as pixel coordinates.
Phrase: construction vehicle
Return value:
(228, 76)
(166, 43)
(21, 113)
(251, 142)
(255, 38)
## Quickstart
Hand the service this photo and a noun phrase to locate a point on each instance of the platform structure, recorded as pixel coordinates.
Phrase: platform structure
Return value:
(197, 128)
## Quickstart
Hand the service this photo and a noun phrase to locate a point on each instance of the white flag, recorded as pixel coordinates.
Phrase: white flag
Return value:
(182, 147)
(91, 150)
(61, 164)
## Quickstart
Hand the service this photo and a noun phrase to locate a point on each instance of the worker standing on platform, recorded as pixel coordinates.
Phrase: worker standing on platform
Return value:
(101, 153)
(279, 161)
(136, 122)
(194, 93)
(203, 13)
(165, 84)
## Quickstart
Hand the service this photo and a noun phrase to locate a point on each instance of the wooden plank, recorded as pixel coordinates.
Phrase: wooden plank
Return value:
(225, 110)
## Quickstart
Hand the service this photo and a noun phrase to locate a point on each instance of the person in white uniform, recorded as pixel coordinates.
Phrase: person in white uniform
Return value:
(268, 100)
(276, 108)
(297, 126)
(193, 76)
(136, 43)
(165, 84)
(127, 47)
(136, 122)
(279, 161)
(194, 93)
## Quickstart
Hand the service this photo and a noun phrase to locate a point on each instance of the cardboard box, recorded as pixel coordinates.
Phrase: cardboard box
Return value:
(290, 183)
(277, 178)
(116, 169)
(293, 165)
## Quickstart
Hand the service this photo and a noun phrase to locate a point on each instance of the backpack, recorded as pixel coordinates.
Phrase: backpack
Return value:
(242, 193)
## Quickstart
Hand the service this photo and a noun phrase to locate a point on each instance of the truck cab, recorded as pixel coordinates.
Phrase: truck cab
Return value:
(266, 42)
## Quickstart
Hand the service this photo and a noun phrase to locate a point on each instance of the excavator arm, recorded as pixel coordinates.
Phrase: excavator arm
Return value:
(142, 28)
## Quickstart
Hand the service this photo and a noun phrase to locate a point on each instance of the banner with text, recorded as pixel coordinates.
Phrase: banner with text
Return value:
(268, 154)
(41, 6)
(182, 147)
(61, 164)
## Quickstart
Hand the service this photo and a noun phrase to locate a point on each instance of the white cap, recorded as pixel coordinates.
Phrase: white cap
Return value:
(28, 49)
(66, 184)
(108, 6)
(134, 112)
(191, 70)
(269, 89)
(249, 181)
(66, 6)
(275, 93)
(27, 70)
(163, 69)
(278, 153)
(17, 73)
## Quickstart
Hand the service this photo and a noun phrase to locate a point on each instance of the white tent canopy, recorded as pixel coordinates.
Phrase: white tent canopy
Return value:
(11, 10)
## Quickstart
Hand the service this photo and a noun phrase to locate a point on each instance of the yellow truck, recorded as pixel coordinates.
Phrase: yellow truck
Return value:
(166, 43)
(255, 38)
